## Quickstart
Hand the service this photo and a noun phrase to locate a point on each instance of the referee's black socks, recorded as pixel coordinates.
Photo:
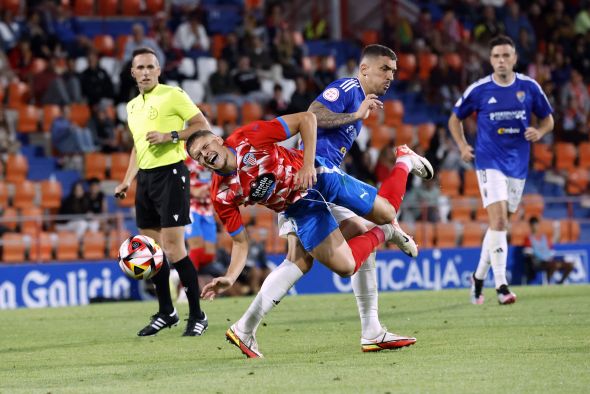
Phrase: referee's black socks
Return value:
(162, 282)
(188, 276)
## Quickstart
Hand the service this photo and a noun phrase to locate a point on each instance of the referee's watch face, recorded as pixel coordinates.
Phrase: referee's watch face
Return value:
(145, 69)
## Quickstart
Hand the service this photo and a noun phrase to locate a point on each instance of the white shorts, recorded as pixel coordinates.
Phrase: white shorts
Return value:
(341, 214)
(494, 186)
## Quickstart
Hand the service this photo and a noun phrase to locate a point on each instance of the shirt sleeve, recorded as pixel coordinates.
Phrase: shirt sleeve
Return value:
(335, 98)
(467, 104)
(230, 217)
(267, 132)
(541, 106)
(184, 106)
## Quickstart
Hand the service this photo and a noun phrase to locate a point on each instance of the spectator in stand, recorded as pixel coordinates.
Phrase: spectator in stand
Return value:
(560, 70)
(277, 106)
(41, 45)
(10, 30)
(231, 51)
(349, 69)
(423, 202)
(139, 40)
(247, 82)
(21, 59)
(451, 28)
(68, 138)
(317, 26)
(222, 85)
(8, 141)
(559, 25)
(580, 60)
(539, 70)
(173, 57)
(159, 29)
(514, 21)
(97, 204)
(542, 255)
(259, 56)
(488, 27)
(76, 203)
(103, 129)
(96, 83)
(48, 86)
(6, 73)
(396, 31)
(286, 53)
(324, 74)
(67, 32)
(574, 96)
(72, 81)
(302, 97)
(192, 37)
(526, 49)
(582, 21)
(274, 20)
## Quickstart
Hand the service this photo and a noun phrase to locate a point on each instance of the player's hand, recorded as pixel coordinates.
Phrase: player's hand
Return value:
(532, 134)
(467, 153)
(155, 137)
(215, 287)
(306, 177)
(369, 104)
(121, 191)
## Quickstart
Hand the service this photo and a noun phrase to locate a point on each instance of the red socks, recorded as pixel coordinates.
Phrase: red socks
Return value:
(394, 187)
(196, 255)
(363, 245)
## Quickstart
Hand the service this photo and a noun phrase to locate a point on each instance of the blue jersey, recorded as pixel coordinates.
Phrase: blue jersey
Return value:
(503, 114)
(341, 96)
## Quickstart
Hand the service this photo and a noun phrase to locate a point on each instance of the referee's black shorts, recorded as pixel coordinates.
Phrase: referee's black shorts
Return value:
(163, 196)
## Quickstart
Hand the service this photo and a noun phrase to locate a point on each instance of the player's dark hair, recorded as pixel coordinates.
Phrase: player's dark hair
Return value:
(376, 50)
(143, 51)
(501, 40)
(195, 136)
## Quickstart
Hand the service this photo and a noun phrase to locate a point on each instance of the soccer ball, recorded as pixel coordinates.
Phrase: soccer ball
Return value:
(140, 257)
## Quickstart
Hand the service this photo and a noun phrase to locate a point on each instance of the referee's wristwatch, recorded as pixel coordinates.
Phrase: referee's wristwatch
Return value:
(175, 137)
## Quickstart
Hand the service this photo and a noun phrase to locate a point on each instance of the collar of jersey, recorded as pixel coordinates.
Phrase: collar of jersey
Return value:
(228, 173)
(152, 91)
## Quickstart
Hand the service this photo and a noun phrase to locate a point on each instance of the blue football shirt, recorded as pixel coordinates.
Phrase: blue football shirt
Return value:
(503, 114)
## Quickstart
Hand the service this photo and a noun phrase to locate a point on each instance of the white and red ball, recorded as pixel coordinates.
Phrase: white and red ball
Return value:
(140, 257)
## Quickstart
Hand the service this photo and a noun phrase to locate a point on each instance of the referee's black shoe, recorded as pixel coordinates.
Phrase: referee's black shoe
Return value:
(159, 321)
(196, 327)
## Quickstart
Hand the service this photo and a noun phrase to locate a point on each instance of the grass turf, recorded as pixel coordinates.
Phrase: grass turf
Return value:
(311, 344)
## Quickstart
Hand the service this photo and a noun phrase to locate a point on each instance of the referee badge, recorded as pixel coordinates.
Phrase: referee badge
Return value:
(152, 113)
(521, 96)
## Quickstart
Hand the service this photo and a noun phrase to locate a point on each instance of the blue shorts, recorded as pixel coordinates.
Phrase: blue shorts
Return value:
(312, 216)
(202, 226)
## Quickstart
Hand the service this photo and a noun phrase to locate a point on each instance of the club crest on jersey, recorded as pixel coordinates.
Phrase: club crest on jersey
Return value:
(331, 94)
(521, 95)
(262, 187)
(249, 159)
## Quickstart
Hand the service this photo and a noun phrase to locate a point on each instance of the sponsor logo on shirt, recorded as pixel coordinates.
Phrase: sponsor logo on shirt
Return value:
(262, 187)
(331, 94)
(508, 115)
(508, 130)
(492, 100)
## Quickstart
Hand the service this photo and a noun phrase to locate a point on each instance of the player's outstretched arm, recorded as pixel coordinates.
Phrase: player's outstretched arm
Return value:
(329, 119)
(239, 253)
(306, 124)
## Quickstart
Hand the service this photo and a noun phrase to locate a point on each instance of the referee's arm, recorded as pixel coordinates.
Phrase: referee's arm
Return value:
(197, 122)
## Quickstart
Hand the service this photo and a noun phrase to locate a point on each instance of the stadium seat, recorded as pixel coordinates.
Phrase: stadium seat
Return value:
(24, 194)
(565, 156)
(205, 67)
(426, 62)
(129, 200)
(50, 112)
(381, 136)
(470, 185)
(449, 182)
(533, 205)
(28, 119)
(217, 45)
(445, 235)
(373, 120)
(4, 194)
(17, 167)
(404, 135)
(84, 7)
(462, 208)
(104, 44)
(542, 157)
(481, 213)
(121, 41)
(569, 231)
(227, 113)
(94, 245)
(406, 66)
(425, 133)
(108, 7)
(41, 248)
(369, 36)
(18, 94)
(424, 234)
(519, 231)
(473, 233)
(80, 114)
(114, 240)
(13, 248)
(251, 112)
(67, 246)
(10, 218)
(154, 6)
(194, 88)
(206, 109)
(119, 164)
(95, 165)
(131, 7)
(454, 61)
(577, 181)
(31, 220)
(546, 227)
(51, 194)
(393, 111)
(584, 155)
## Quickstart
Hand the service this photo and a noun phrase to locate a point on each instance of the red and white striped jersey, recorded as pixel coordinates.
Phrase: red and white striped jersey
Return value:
(200, 176)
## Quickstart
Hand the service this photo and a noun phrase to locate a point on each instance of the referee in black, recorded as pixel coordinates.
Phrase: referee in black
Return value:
(157, 119)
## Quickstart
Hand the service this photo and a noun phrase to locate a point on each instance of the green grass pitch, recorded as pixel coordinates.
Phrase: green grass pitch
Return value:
(311, 344)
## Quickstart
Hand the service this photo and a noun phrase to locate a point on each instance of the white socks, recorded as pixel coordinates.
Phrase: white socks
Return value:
(407, 161)
(364, 285)
(498, 245)
(484, 258)
(275, 287)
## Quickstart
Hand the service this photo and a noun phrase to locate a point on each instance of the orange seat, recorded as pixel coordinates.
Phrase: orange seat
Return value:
(445, 235)
(31, 220)
(454, 61)
(41, 248)
(462, 208)
(542, 156)
(104, 44)
(470, 185)
(373, 120)
(473, 233)
(24, 194)
(51, 194)
(114, 241)
(381, 136)
(424, 234)
(519, 231)
(533, 205)
(50, 112)
(120, 45)
(108, 7)
(10, 5)
(227, 113)
(251, 112)
(584, 155)
(207, 110)
(404, 135)
(28, 119)
(426, 62)
(481, 213)
(154, 6)
(18, 94)
(449, 182)
(425, 133)
(80, 114)
(131, 7)
(369, 36)
(95, 165)
(577, 181)
(217, 45)
(4, 192)
(406, 66)
(546, 228)
(67, 246)
(13, 248)
(569, 231)
(393, 112)
(94, 246)
(9, 218)
(565, 156)
(119, 164)
(84, 7)
(129, 200)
